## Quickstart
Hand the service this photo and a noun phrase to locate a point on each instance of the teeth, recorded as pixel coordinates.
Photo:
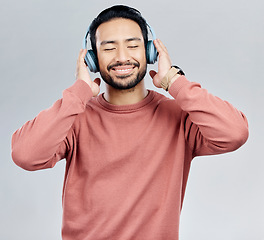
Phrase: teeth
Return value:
(123, 70)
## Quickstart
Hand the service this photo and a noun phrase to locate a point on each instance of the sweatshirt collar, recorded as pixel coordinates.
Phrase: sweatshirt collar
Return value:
(126, 108)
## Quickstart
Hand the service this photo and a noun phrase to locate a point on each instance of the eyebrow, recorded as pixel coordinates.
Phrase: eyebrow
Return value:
(107, 42)
(127, 40)
(133, 39)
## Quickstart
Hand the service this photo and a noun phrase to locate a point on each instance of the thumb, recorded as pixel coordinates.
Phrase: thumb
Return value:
(155, 78)
(95, 86)
(152, 73)
(97, 81)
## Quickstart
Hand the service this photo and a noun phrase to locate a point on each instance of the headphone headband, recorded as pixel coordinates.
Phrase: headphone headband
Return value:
(85, 38)
(152, 32)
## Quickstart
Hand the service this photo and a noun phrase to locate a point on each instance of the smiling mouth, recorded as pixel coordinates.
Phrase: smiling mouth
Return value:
(123, 70)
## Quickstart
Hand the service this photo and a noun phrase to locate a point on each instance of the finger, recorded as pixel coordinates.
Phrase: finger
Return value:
(78, 59)
(157, 45)
(152, 73)
(83, 52)
(82, 57)
(162, 46)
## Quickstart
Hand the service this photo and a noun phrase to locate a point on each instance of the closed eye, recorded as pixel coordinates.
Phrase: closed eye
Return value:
(108, 49)
(134, 46)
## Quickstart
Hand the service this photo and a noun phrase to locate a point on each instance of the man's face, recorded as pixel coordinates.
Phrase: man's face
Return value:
(121, 53)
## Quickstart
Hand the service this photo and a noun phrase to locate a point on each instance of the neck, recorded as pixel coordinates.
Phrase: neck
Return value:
(125, 97)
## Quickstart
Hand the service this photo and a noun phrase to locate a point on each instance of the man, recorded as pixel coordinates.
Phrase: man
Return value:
(128, 151)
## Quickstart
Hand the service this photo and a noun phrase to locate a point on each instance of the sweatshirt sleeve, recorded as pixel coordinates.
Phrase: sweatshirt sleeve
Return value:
(212, 126)
(42, 142)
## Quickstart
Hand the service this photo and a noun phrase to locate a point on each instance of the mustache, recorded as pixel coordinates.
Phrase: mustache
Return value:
(117, 64)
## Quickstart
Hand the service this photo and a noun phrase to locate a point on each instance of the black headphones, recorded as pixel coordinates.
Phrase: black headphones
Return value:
(92, 62)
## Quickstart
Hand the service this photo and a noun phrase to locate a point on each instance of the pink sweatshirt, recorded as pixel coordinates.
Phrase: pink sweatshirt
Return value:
(127, 166)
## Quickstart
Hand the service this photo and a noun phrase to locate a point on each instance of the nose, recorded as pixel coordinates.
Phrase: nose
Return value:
(122, 54)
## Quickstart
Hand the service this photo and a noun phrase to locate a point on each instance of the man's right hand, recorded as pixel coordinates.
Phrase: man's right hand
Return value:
(83, 74)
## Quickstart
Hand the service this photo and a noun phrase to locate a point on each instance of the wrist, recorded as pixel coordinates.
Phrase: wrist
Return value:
(171, 76)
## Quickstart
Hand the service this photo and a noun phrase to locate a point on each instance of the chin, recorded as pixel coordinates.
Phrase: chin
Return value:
(124, 85)
(121, 83)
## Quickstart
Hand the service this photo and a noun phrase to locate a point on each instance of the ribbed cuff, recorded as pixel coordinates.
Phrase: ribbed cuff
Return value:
(178, 84)
(81, 89)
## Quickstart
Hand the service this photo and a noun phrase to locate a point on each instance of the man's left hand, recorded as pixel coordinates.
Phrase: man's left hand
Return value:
(164, 63)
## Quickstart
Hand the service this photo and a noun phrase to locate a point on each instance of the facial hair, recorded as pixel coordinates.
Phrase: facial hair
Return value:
(124, 85)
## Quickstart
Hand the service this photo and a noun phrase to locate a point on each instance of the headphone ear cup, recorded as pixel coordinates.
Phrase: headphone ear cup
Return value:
(91, 61)
(151, 53)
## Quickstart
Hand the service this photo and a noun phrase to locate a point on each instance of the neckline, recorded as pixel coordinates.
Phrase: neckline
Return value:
(126, 108)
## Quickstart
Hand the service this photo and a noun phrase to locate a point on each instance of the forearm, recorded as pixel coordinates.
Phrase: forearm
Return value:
(39, 142)
(221, 126)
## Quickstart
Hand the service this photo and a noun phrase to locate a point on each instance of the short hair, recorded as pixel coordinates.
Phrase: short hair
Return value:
(118, 11)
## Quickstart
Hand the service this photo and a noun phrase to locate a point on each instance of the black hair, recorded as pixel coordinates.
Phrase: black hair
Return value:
(118, 11)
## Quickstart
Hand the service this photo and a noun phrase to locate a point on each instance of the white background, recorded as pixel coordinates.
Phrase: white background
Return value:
(218, 44)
